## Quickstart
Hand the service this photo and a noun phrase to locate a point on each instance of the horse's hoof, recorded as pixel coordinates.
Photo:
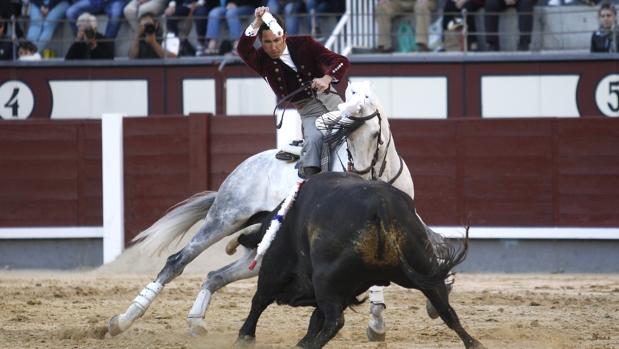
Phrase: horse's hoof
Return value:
(231, 246)
(374, 336)
(245, 341)
(114, 327)
(197, 327)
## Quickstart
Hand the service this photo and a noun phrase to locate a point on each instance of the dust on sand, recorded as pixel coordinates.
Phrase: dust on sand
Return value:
(50, 309)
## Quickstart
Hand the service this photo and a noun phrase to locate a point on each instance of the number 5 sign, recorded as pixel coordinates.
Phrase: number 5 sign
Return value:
(16, 100)
(607, 95)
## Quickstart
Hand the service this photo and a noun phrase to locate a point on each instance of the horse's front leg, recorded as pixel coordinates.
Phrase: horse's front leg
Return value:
(215, 280)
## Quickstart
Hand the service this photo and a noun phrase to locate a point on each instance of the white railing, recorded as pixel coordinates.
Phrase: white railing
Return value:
(356, 28)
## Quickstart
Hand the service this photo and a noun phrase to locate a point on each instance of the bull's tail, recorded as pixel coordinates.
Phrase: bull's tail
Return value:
(175, 223)
(445, 259)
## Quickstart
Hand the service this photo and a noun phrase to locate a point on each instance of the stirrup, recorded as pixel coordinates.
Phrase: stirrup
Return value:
(286, 156)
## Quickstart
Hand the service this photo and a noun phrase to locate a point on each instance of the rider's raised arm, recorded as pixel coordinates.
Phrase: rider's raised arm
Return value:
(246, 49)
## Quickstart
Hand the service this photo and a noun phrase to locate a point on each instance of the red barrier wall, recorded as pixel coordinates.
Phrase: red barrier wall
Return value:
(495, 172)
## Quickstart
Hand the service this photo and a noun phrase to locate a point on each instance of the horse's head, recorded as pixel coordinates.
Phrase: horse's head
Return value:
(359, 121)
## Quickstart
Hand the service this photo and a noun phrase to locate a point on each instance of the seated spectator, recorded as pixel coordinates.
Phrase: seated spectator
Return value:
(135, 9)
(452, 12)
(525, 21)
(177, 11)
(45, 15)
(12, 9)
(606, 38)
(89, 43)
(6, 44)
(322, 9)
(113, 8)
(292, 11)
(232, 13)
(27, 51)
(148, 41)
(386, 10)
(201, 20)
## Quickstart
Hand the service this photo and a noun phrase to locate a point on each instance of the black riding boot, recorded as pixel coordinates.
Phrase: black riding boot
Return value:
(309, 171)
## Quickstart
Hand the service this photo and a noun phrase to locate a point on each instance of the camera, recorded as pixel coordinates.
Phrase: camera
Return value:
(89, 33)
(149, 28)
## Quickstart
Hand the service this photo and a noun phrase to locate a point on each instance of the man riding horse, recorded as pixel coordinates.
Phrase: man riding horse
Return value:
(293, 67)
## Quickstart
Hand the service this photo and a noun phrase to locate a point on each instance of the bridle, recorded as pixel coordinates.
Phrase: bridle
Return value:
(372, 167)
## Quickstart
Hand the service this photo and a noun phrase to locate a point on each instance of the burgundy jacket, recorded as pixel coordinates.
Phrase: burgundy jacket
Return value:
(310, 57)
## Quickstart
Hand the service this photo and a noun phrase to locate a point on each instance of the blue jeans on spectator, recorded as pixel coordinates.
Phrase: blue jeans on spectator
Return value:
(42, 28)
(232, 16)
(113, 8)
(292, 12)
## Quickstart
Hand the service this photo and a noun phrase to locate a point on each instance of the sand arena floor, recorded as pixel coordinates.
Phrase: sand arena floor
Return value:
(41, 309)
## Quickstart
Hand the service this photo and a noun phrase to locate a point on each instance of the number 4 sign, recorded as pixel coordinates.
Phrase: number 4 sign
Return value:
(16, 100)
(607, 95)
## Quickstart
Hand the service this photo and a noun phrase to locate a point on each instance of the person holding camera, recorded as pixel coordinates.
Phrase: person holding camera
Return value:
(148, 41)
(89, 43)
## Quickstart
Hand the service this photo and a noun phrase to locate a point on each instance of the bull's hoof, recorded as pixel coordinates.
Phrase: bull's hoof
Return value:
(197, 327)
(114, 327)
(245, 341)
(431, 310)
(374, 336)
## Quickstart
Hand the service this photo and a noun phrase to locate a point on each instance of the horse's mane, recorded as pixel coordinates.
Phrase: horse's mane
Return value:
(339, 127)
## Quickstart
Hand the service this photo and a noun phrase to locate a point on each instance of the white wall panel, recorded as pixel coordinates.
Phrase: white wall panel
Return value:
(249, 96)
(198, 96)
(529, 96)
(92, 98)
(411, 97)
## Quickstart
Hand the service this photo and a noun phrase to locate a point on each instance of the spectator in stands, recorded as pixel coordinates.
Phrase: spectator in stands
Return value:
(45, 15)
(148, 42)
(28, 51)
(135, 9)
(89, 43)
(201, 20)
(6, 44)
(321, 9)
(293, 9)
(452, 13)
(386, 10)
(10, 9)
(606, 38)
(233, 12)
(525, 21)
(199, 10)
(113, 8)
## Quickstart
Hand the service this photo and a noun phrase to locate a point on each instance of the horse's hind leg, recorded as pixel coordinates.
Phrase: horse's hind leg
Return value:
(213, 230)
(215, 280)
(439, 299)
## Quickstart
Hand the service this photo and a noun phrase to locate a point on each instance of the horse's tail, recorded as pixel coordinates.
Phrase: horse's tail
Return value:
(175, 223)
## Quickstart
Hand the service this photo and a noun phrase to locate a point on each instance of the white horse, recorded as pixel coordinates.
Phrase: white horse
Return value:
(255, 188)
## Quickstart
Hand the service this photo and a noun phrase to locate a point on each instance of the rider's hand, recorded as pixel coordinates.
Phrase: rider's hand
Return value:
(321, 84)
(258, 14)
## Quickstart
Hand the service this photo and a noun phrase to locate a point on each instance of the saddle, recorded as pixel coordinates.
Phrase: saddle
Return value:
(291, 152)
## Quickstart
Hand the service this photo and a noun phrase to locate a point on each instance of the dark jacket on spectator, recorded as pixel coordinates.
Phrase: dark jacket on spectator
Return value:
(81, 50)
(605, 40)
(6, 48)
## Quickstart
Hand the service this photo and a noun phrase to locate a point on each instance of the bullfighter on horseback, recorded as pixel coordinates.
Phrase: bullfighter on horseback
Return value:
(296, 68)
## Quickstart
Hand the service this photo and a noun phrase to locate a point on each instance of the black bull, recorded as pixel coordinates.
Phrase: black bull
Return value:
(342, 235)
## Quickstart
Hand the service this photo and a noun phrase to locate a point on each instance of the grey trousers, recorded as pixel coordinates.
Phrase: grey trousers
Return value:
(312, 138)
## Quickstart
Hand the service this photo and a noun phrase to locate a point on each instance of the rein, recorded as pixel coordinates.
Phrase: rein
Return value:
(379, 142)
(304, 87)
